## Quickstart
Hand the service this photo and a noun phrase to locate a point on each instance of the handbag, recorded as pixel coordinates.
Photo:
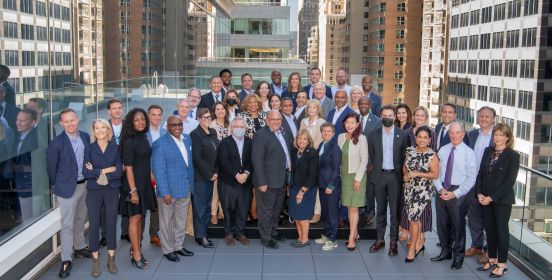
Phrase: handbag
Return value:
(102, 180)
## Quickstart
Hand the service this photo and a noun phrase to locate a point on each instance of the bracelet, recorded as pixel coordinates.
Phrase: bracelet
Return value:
(133, 191)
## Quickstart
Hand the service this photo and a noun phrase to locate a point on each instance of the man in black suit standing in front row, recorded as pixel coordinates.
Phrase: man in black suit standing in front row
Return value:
(272, 164)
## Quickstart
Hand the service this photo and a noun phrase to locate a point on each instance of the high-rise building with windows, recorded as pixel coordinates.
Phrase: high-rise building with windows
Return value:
(330, 14)
(308, 17)
(88, 41)
(312, 47)
(28, 44)
(394, 40)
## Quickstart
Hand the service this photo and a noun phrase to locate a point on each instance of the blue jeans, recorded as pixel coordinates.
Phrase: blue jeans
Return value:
(201, 206)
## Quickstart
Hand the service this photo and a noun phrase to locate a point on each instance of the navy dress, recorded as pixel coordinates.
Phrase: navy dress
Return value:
(304, 174)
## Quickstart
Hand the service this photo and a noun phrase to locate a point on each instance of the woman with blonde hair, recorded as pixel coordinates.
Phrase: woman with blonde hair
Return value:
(354, 97)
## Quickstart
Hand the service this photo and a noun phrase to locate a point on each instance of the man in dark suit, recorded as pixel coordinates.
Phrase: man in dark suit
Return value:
(216, 94)
(314, 76)
(336, 115)
(25, 144)
(235, 168)
(375, 100)
(277, 86)
(368, 123)
(247, 86)
(320, 94)
(4, 75)
(478, 140)
(290, 125)
(386, 148)
(457, 175)
(43, 127)
(7, 111)
(226, 79)
(441, 138)
(271, 164)
(65, 157)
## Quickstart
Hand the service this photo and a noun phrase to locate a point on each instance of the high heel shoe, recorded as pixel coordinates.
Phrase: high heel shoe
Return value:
(140, 264)
(141, 256)
(487, 266)
(357, 238)
(422, 250)
(407, 260)
(496, 275)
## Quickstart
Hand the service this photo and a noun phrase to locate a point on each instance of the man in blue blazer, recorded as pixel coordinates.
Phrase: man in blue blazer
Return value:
(174, 174)
(65, 157)
(314, 76)
(375, 100)
(247, 86)
(337, 114)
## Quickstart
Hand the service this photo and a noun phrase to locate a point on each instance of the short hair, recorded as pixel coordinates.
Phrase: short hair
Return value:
(424, 128)
(286, 99)
(247, 100)
(65, 111)
(202, 111)
(112, 101)
(450, 105)
(316, 103)
(236, 119)
(408, 113)
(366, 77)
(507, 131)
(41, 102)
(487, 108)
(30, 112)
(315, 68)
(426, 113)
(388, 107)
(5, 70)
(270, 96)
(327, 124)
(106, 124)
(246, 74)
(225, 70)
(341, 90)
(302, 132)
(213, 77)
(194, 89)
(155, 106)
(457, 124)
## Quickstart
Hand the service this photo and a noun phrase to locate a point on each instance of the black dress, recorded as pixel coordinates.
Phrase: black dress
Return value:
(305, 174)
(137, 153)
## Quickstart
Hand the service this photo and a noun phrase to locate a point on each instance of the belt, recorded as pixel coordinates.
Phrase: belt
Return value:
(388, 170)
(81, 182)
(451, 188)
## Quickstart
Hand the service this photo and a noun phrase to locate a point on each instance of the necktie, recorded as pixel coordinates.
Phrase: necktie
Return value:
(362, 123)
(217, 97)
(322, 149)
(191, 115)
(448, 171)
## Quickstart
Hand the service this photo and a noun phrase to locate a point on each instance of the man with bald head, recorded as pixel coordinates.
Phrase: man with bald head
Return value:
(183, 110)
(375, 100)
(272, 164)
(320, 94)
(337, 114)
(457, 173)
(341, 78)
(277, 86)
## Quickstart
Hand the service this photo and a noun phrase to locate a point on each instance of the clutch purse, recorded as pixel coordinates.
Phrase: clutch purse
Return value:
(102, 180)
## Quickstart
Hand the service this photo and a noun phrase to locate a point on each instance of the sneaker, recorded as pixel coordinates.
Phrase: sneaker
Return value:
(322, 240)
(329, 245)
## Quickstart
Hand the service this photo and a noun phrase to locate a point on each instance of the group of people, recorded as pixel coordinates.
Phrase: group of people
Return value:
(334, 154)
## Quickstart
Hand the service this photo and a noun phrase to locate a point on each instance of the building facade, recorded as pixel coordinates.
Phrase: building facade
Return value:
(312, 47)
(88, 41)
(330, 14)
(308, 17)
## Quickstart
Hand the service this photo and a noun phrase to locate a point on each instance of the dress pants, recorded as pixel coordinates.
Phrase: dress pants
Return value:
(172, 223)
(269, 206)
(451, 215)
(475, 220)
(103, 201)
(73, 216)
(388, 190)
(370, 209)
(496, 218)
(235, 200)
(330, 213)
(216, 204)
(201, 199)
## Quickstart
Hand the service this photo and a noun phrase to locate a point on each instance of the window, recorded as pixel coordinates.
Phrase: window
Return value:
(379, 74)
(486, 14)
(400, 20)
(398, 74)
(26, 6)
(461, 66)
(498, 40)
(41, 33)
(499, 12)
(399, 47)
(483, 67)
(381, 60)
(529, 37)
(494, 95)
(472, 66)
(365, 38)
(401, 7)
(510, 68)
(381, 34)
(525, 100)
(474, 17)
(496, 67)
(485, 41)
(523, 130)
(482, 93)
(28, 84)
(527, 69)
(11, 58)
(530, 7)
(400, 34)
(453, 66)
(40, 8)
(474, 42)
(454, 43)
(28, 58)
(398, 87)
(10, 5)
(10, 29)
(509, 97)
(65, 14)
(454, 21)
(463, 43)
(67, 59)
(512, 39)
(381, 7)
(399, 60)
(546, 136)
(514, 9)
(27, 32)
(42, 58)
(464, 19)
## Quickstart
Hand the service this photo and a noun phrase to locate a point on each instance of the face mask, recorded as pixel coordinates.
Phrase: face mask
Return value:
(387, 122)
(231, 101)
(238, 132)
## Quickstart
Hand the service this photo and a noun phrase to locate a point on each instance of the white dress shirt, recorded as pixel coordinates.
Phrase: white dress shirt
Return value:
(464, 170)
(291, 121)
(338, 112)
(285, 147)
(181, 147)
(387, 139)
(155, 133)
(299, 110)
(346, 87)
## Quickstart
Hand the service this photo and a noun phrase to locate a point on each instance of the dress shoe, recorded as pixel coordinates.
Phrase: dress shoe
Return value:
(500, 271)
(205, 243)
(183, 252)
(82, 253)
(102, 243)
(155, 241)
(472, 251)
(393, 250)
(280, 238)
(65, 269)
(377, 246)
(243, 239)
(298, 244)
(172, 257)
(271, 244)
(487, 266)
(456, 264)
(442, 257)
(229, 240)
(125, 237)
(140, 264)
(368, 220)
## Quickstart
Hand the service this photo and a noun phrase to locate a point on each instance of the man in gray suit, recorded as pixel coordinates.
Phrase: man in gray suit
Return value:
(272, 164)
(320, 94)
(386, 148)
(368, 123)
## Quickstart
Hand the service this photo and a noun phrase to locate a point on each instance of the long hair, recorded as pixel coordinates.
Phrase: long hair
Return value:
(507, 131)
(289, 81)
(128, 129)
(226, 118)
(408, 114)
(356, 132)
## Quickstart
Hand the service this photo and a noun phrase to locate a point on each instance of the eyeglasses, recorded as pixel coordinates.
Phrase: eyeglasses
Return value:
(175, 124)
(206, 117)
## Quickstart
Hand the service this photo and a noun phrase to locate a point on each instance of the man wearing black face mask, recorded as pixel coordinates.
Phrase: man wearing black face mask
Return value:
(386, 148)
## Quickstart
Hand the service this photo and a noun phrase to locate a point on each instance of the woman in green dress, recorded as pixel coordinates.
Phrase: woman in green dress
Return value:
(354, 150)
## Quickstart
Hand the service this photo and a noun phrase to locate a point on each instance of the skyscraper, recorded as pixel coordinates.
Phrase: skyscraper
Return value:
(308, 17)
(330, 14)
(88, 41)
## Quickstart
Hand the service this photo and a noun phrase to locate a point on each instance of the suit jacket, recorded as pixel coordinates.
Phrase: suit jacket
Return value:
(329, 166)
(162, 131)
(62, 164)
(287, 127)
(172, 175)
(302, 115)
(328, 91)
(372, 123)
(375, 151)
(284, 89)
(304, 169)
(446, 138)
(10, 93)
(208, 101)
(327, 106)
(241, 95)
(10, 114)
(375, 101)
(22, 163)
(100, 160)
(292, 96)
(229, 160)
(358, 155)
(499, 182)
(472, 138)
(339, 123)
(269, 158)
(204, 153)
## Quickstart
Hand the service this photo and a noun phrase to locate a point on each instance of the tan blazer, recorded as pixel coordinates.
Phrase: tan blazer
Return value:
(313, 129)
(358, 155)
